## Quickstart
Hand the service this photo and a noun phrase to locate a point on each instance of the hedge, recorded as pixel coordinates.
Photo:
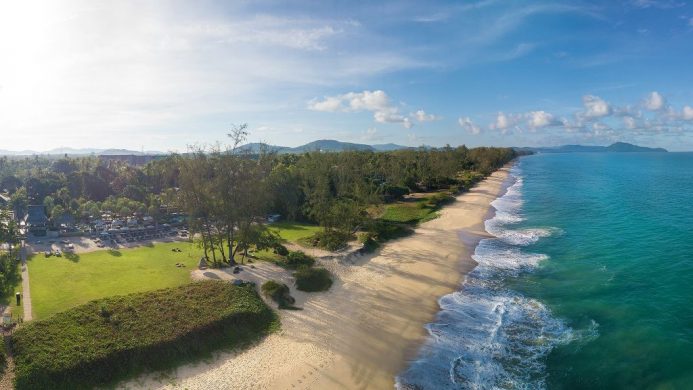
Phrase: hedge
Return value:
(110, 339)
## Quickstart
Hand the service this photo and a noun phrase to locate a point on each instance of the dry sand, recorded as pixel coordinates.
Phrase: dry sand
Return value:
(361, 333)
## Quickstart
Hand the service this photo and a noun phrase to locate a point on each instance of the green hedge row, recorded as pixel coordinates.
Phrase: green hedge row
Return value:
(111, 339)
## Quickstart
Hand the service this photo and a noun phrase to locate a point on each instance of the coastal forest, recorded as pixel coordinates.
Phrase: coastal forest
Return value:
(226, 193)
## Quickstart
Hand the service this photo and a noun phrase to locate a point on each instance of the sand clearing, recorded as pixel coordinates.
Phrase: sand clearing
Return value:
(361, 333)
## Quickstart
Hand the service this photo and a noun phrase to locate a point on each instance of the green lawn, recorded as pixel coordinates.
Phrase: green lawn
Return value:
(60, 283)
(410, 212)
(414, 211)
(294, 231)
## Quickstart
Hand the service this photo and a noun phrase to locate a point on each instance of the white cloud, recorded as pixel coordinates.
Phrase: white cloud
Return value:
(371, 135)
(687, 113)
(502, 121)
(422, 116)
(595, 107)
(376, 102)
(467, 124)
(539, 119)
(629, 122)
(655, 101)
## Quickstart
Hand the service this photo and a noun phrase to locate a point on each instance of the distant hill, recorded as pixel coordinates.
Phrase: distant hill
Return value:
(324, 145)
(389, 147)
(618, 147)
(329, 145)
(79, 152)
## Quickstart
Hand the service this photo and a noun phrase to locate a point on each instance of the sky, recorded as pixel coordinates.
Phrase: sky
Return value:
(164, 75)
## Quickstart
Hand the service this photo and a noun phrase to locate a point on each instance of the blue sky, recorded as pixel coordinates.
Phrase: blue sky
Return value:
(161, 75)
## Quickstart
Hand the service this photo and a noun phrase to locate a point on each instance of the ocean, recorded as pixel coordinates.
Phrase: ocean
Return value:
(587, 282)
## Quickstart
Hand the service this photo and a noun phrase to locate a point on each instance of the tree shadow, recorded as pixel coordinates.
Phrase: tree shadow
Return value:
(115, 252)
(73, 257)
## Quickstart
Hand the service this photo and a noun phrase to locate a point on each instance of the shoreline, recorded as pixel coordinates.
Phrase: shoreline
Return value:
(370, 325)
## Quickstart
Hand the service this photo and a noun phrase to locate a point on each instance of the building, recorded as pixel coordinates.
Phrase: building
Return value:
(36, 221)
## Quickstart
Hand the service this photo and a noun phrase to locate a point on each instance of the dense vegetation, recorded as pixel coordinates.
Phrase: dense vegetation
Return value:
(109, 339)
(279, 292)
(226, 193)
(313, 279)
(9, 273)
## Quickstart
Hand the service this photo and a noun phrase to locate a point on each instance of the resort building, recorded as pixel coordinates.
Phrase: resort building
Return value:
(36, 221)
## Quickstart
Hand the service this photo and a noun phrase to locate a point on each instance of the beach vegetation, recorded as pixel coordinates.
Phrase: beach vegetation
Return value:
(279, 293)
(297, 259)
(107, 340)
(313, 279)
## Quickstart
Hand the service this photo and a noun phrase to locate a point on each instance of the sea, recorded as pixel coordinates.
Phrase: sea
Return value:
(587, 282)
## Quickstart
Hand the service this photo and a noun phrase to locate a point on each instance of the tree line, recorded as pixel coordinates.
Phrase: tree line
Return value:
(227, 194)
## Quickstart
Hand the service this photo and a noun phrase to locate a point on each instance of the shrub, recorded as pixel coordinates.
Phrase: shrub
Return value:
(3, 356)
(106, 340)
(298, 259)
(280, 293)
(280, 250)
(386, 230)
(313, 279)
(331, 240)
(440, 198)
(392, 192)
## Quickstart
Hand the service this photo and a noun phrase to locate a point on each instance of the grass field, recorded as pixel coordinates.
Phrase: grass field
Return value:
(294, 231)
(60, 283)
(410, 212)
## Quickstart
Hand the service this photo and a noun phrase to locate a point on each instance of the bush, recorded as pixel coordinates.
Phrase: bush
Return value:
(3, 356)
(298, 259)
(106, 340)
(331, 240)
(280, 293)
(386, 230)
(280, 250)
(313, 279)
(392, 192)
(440, 198)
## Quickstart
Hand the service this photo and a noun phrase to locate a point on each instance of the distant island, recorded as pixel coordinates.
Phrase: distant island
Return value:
(618, 147)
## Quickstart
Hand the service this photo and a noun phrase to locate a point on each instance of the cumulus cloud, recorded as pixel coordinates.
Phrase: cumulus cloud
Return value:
(598, 120)
(655, 101)
(629, 122)
(539, 119)
(687, 113)
(467, 124)
(376, 102)
(422, 116)
(595, 107)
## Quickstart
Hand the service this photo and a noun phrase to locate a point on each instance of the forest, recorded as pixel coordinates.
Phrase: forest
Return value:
(227, 194)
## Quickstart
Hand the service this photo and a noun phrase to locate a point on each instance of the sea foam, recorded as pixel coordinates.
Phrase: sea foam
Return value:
(486, 335)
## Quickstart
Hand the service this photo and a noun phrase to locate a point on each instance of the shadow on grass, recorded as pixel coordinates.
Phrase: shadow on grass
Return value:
(73, 257)
(115, 252)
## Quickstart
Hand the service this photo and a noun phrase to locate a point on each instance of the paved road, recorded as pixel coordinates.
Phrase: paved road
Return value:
(26, 292)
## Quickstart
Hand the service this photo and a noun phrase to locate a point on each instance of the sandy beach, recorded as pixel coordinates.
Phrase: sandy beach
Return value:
(361, 333)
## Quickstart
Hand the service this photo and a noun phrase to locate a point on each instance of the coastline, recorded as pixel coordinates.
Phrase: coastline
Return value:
(370, 325)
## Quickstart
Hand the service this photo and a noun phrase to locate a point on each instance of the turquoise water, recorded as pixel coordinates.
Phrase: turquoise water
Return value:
(588, 283)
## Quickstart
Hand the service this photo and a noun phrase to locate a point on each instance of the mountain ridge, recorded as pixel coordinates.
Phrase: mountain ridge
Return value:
(616, 147)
